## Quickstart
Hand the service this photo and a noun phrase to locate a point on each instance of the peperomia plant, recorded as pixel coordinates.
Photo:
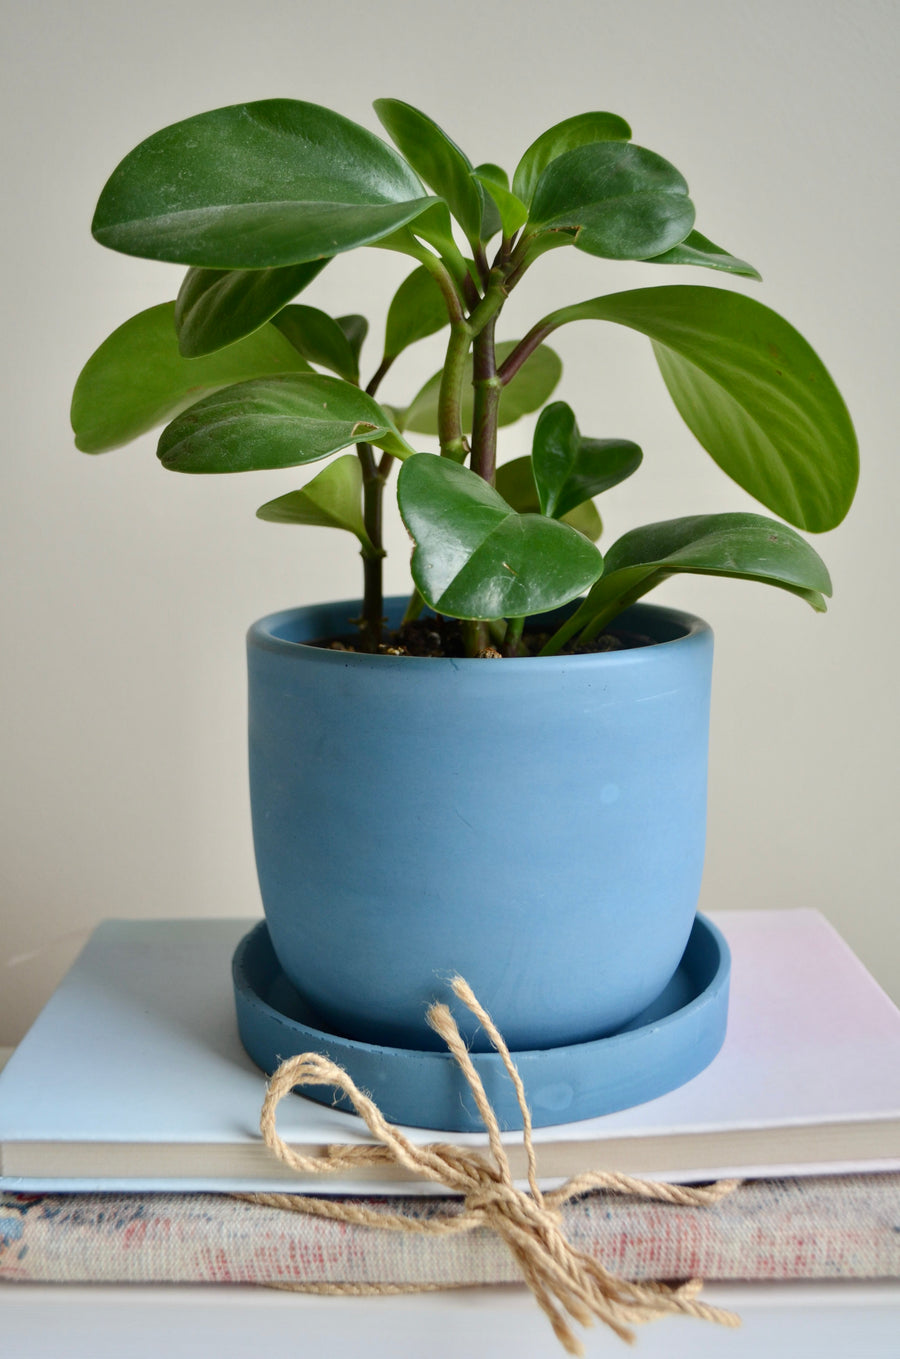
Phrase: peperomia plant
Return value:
(257, 198)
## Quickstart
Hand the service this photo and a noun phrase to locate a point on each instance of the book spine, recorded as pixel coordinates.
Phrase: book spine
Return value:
(816, 1228)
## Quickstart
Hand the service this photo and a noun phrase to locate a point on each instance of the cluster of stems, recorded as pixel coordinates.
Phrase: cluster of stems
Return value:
(474, 296)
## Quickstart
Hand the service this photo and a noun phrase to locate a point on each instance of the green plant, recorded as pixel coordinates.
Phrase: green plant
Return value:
(257, 198)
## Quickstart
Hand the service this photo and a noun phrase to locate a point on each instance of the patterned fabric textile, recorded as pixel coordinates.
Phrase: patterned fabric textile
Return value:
(815, 1228)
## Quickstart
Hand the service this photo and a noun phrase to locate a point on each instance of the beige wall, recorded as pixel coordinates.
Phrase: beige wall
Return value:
(127, 591)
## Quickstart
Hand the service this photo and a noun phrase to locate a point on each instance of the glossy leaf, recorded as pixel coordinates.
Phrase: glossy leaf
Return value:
(581, 130)
(748, 546)
(527, 391)
(475, 557)
(255, 186)
(437, 159)
(752, 390)
(319, 338)
(275, 422)
(515, 482)
(417, 310)
(333, 499)
(624, 202)
(355, 329)
(569, 469)
(510, 211)
(699, 250)
(137, 378)
(216, 307)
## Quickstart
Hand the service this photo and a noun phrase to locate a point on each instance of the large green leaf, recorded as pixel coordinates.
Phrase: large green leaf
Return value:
(417, 310)
(475, 557)
(699, 250)
(515, 482)
(751, 389)
(528, 390)
(622, 201)
(748, 546)
(137, 378)
(581, 130)
(333, 499)
(319, 338)
(215, 307)
(438, 160)
(275, 422)
(569, 469)
(257, 185)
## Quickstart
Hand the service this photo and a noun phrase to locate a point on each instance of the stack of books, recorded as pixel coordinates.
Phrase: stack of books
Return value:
(129, 1119)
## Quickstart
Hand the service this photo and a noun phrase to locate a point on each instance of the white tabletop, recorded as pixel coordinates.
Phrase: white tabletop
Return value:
(846, 1320)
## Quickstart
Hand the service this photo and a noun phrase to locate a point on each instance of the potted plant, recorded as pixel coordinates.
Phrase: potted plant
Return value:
(538, 823)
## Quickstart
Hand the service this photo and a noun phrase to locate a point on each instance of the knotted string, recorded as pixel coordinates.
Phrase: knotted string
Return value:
(567, 1283)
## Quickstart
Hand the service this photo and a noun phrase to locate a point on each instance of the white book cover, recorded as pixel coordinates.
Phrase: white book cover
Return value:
(133, 1076)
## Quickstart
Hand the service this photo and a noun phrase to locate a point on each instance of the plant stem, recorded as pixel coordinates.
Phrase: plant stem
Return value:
(462, 331)
(481, 263)
(513, 636)
(476, 636)
(484, 424)
(536, 336)
(450, 290)
(529, 248)
(491, 303)
(414, 607)
(470, 292)
(487, 385)
(380, 372)
(372, 617)
(590, 622)
(488, 388)
(563, 634)
(524, 349)
(450, 431)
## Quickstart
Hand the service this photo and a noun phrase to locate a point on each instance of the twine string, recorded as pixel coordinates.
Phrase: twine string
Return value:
(566, 1282)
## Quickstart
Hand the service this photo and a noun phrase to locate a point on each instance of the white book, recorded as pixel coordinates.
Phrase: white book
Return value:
(133, 1076)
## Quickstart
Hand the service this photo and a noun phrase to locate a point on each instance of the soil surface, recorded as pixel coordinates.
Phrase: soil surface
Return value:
(443, 638)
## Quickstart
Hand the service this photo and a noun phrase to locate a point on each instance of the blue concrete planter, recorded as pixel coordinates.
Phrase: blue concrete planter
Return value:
(537, 825)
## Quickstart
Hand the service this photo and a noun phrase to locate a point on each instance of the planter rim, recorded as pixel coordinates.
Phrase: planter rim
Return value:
(265, 633)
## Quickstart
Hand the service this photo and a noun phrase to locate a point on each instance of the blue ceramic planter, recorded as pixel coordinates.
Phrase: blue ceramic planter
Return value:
(537, 825)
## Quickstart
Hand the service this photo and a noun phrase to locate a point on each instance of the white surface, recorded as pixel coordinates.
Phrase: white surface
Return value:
(785, 1321)
(139, 1045)
(128, 590)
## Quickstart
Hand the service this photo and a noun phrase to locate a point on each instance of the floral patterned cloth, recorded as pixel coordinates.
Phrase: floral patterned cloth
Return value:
(811, 1228)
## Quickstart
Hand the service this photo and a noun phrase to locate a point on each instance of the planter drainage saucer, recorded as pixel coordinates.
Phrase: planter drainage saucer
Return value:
(669, 1043)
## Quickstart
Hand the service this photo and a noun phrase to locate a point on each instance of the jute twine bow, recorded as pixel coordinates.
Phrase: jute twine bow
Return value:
(566, 1282)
